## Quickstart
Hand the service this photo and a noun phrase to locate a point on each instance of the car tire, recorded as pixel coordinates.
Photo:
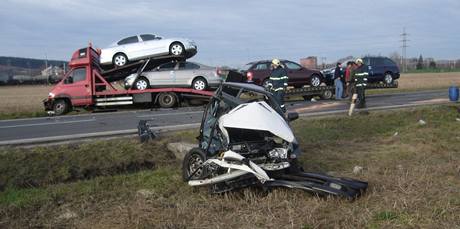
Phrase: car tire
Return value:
(61, 107)
(192, 162)
(388, 78)
(176, 49)
(265, 83)
(167, 100)
(120, 60)
(327, 94)
(199, 84)
(315, 81)
(141, 84)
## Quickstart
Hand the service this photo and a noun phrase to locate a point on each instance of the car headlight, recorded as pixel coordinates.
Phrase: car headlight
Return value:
(130, 79)
(51, 95)
(278, 153)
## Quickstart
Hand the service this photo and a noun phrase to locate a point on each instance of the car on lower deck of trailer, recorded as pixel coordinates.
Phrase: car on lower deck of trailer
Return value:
(176, 74)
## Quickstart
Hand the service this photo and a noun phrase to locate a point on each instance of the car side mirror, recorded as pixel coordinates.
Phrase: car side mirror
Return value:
(68, 80)
(292, 116)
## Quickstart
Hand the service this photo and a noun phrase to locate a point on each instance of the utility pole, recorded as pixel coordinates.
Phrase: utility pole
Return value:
(404, 47)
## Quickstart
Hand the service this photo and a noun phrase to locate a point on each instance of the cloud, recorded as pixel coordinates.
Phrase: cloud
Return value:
(234, 32)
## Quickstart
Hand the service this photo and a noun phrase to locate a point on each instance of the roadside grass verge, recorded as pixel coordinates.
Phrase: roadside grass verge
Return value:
(413, 171)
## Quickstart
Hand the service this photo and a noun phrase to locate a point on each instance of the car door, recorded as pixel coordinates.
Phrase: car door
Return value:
(187, 71)
(163, 75)
(153, 45)
(131, 47)
(260, 72)
(78, 87)
(376, 69)
(295, 72)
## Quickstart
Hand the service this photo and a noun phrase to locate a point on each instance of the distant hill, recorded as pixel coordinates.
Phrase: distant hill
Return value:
(28, 63)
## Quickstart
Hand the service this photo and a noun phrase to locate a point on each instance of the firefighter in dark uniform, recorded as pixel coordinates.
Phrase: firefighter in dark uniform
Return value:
(360, 75)
(278, 82)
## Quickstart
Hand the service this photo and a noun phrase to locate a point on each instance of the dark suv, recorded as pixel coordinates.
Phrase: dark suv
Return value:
(259, 72)
(381, 69)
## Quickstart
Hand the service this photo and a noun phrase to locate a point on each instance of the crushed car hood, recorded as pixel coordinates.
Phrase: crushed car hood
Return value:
(257, 116)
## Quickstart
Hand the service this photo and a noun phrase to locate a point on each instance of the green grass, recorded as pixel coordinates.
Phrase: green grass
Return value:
(413, 177)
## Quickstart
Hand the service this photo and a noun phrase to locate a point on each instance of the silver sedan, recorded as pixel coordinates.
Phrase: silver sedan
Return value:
(176, 74)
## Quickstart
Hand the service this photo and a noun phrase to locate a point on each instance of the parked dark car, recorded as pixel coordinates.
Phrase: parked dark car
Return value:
(259, 72)
(381, 69)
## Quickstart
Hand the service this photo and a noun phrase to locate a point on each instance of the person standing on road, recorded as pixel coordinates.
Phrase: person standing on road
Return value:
(278, 82)
(347, 78)
(360, 80)
(338, 81)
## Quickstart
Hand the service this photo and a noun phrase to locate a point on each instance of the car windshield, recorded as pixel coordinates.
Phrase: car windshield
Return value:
(246, 67)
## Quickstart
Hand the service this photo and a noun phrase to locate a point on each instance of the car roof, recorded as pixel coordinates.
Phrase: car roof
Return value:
(247, 86)
(264, 61)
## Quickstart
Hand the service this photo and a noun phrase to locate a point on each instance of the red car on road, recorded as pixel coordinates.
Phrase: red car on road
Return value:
(259, 72)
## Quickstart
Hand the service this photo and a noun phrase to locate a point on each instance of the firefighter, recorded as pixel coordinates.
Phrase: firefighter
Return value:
(360, 79)
(278, 82)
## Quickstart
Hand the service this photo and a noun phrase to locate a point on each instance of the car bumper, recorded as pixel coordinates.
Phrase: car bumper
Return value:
(190, 52)
(48, 104)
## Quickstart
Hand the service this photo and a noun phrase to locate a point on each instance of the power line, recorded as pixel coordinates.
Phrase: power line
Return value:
(404, 49)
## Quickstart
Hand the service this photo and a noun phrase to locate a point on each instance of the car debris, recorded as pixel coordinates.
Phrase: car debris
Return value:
(144, 131)
(238, 150)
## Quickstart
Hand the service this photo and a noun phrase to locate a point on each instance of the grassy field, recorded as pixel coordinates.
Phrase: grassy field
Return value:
(26, 101)
(413, 171)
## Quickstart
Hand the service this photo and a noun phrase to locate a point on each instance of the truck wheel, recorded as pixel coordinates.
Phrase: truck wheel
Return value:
(315, 81)
(192, 162)
(176, 49)
(327, 94)
(141, 84)
(60, 107)
(167, 100)
(120, 59)
(199, 84)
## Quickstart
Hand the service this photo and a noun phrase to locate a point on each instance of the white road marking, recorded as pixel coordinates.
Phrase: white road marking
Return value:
(48, 123)
(169, 114)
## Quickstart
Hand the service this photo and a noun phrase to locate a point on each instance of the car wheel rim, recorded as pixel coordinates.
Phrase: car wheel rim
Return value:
(59, 108)
(195, 165)
(120, 60)
(388, 79)
(265, 84)
(176, 50)
(199, 85)
(141, 85)
(315, 82)
(167, 100)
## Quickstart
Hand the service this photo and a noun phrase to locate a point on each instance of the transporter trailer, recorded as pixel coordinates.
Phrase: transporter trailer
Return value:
(87, 85)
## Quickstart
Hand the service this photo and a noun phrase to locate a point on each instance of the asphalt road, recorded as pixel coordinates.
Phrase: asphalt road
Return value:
(64, 128)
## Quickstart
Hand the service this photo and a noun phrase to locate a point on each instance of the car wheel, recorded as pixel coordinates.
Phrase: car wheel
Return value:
(192, 163)
(120, 59)
(176, 49)
(141, 84)
(60, 107)
(199, 84)
(388, 79)
(315, 81)
(265, 84)
(327, 94)
(167, 100)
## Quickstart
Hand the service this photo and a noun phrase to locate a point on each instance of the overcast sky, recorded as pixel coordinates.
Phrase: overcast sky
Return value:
(233, 32)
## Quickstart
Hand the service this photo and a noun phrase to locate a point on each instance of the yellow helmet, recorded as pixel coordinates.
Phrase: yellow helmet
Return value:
(359, 61)
(276, 62)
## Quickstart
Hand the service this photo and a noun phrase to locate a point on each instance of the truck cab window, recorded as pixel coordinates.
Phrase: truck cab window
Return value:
(76, 75)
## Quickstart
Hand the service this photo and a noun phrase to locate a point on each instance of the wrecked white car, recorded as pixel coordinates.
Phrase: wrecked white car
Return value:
(245, 140)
